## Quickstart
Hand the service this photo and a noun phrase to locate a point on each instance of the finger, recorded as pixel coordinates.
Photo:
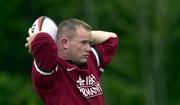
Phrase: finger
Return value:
(27, 38)
(27, 45)
(29, 50)
(30, 32)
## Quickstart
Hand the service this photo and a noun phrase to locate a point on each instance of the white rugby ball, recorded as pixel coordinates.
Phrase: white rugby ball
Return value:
(45, 24)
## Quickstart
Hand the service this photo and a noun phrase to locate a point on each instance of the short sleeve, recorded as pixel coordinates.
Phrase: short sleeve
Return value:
(106, 50)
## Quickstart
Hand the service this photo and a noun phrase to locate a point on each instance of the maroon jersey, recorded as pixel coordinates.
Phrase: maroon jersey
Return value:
(60, 82)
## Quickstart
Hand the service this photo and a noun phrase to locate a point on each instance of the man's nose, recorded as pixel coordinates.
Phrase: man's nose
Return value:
(88, 49)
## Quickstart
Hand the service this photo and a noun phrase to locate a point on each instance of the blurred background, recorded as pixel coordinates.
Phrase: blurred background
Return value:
(145, 69)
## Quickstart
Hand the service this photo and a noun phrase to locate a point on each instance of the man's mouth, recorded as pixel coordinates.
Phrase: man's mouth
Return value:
(86, 55)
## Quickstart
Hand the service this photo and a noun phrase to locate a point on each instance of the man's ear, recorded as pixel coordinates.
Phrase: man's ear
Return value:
(64, 42)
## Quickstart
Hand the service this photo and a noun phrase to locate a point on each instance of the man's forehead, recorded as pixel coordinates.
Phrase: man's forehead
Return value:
(83, 33)
(82, 29)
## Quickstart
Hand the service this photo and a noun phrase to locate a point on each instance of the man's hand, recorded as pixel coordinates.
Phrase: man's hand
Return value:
(30, 39)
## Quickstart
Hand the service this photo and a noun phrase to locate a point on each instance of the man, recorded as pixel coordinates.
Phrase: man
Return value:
(67, 72)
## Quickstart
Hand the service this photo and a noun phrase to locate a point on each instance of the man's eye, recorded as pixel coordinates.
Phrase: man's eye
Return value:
(86, 42)
(90, 42)
(83, 42)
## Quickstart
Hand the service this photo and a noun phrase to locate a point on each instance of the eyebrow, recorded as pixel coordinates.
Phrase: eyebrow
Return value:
(86, 40)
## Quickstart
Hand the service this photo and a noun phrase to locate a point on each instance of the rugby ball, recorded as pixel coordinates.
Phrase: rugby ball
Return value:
(45, 24)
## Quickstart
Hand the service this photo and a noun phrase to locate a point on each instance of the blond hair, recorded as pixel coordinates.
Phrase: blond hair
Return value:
(68, 27)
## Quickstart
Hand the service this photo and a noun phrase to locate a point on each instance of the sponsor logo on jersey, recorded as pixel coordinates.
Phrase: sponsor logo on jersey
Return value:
(70, 69)
(89, 86)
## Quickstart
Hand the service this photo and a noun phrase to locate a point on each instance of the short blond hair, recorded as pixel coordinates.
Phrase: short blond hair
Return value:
(68, 27)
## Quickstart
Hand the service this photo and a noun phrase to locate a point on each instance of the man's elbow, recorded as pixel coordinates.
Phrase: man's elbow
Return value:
(113, 34)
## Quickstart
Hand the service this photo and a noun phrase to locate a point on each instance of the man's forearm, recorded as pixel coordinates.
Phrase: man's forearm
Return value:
(101, 36)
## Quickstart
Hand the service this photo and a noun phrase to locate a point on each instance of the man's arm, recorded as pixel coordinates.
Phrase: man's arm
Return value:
(106, 44)
(101, 36)
(44, 51)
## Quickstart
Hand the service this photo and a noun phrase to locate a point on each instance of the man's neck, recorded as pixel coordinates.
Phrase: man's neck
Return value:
(62, 55)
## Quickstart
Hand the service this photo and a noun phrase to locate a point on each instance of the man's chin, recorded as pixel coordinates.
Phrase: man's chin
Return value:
(83, 61)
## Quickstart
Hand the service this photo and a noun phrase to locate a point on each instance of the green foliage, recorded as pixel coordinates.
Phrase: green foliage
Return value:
(16, 89)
